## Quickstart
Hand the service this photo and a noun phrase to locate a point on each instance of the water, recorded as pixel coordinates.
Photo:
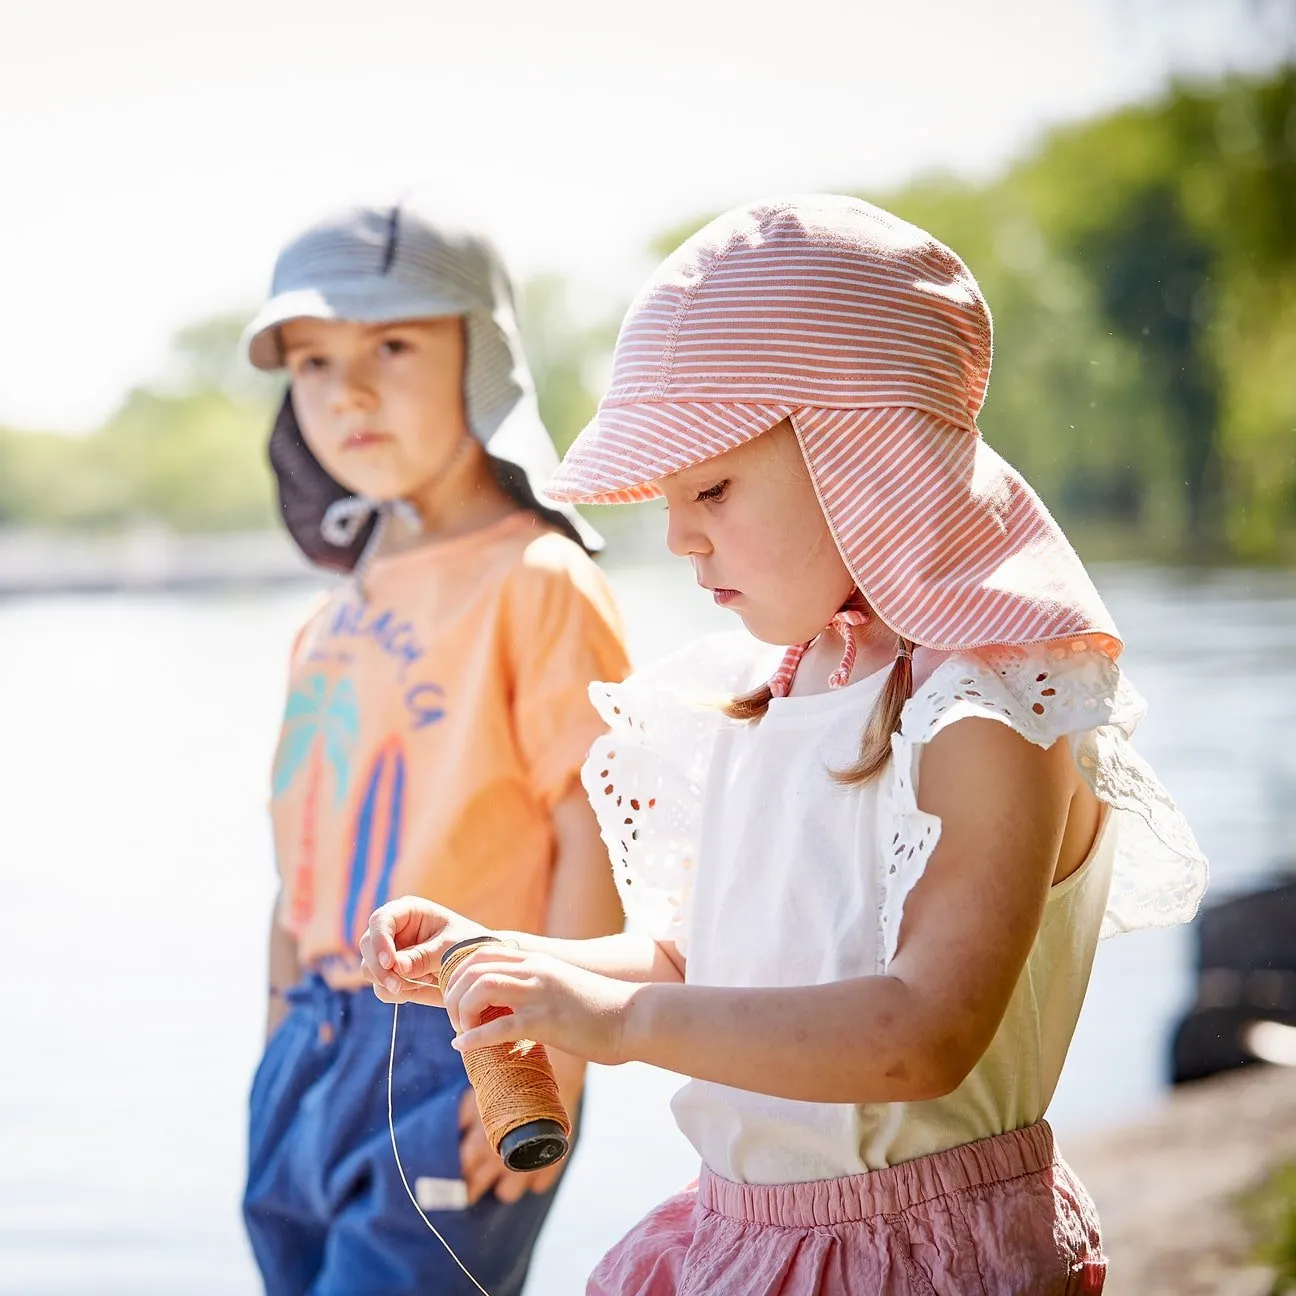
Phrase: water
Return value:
(135, 884)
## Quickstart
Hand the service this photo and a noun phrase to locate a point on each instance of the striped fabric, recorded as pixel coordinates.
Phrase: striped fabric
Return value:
(378, 263)
(874, 340)
(780, 684)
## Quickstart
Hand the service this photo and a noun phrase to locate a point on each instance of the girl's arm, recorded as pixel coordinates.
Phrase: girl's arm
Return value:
(910, 1035)
(627, 956)
(406, 938)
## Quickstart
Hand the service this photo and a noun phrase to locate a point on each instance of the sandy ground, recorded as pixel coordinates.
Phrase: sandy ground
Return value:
(1166, 1187)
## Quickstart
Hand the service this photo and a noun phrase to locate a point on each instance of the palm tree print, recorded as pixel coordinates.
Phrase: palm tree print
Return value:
(320, 724)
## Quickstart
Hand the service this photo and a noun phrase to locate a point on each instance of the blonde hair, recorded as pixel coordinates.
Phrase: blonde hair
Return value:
(883, 721)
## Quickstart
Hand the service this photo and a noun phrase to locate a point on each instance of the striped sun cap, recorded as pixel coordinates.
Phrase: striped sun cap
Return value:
(873, 339)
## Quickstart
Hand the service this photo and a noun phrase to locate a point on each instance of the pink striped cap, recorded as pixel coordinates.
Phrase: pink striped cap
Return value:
(874, 340)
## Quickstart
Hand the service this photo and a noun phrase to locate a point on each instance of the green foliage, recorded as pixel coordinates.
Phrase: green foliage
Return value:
(566, 357)
(1181, 219)
(1142, 273)
(1270, 1212)
(1141, 269)
(189, 454)
(195, 462)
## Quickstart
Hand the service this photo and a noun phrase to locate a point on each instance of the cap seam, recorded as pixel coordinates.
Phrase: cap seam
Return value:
(690, 294)
(968, 425)
(393, 240)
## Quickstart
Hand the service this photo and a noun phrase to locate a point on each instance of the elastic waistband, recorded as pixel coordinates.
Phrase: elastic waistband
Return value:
(315, 991)
(882, 1192)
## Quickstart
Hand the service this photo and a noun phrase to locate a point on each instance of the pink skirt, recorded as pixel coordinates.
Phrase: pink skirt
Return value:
(1000, 1217)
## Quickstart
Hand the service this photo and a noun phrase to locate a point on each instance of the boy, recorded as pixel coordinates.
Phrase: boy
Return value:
(437, 718)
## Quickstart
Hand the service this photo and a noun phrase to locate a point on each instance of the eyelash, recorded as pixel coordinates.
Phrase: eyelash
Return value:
(392, 346)
(713, 494)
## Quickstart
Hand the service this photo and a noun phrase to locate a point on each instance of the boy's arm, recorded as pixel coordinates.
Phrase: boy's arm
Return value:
(583, 900)
(585, 919)
(285, 970)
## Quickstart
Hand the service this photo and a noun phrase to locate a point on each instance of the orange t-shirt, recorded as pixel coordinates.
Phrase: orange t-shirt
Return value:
(430, 729)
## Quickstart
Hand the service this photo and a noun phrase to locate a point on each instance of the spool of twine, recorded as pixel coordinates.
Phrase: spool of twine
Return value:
(517, 1094)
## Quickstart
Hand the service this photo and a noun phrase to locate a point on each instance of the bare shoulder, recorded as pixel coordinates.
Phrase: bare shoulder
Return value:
(980, 775)
(982, 761)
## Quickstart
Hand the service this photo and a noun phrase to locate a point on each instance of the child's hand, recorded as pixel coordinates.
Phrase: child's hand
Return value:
(553, 1002)
(404, 943)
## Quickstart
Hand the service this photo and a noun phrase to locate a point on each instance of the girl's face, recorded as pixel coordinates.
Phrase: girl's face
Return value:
(379, 405)
(750, 523)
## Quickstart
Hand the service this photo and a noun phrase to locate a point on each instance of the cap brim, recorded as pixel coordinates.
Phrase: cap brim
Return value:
(374, 300)
(626, 449)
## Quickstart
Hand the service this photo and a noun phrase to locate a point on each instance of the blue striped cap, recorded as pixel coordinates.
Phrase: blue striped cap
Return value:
(391, 262)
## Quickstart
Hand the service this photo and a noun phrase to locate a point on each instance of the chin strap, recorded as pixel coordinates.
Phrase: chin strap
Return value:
(344, 519)
(842, 622)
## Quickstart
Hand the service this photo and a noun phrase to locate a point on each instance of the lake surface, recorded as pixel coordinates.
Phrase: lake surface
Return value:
(136, 880)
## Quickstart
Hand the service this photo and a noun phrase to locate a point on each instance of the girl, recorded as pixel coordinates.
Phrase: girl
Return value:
(438, 714)
(867, 888)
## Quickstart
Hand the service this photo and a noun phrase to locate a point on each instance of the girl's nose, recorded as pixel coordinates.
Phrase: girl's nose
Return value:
(683, 538)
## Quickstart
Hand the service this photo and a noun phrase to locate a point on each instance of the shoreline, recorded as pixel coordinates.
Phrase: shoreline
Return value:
(148, 557)
(1167, 1186)
(36, 563)
(155, 559)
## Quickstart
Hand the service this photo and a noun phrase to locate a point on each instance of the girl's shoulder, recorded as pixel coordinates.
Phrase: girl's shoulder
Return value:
(645, 776)
(1070, 692)
(1043, 691)
(685, 690)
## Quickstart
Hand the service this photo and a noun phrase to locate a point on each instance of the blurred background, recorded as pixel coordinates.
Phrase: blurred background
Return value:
(1119, 174)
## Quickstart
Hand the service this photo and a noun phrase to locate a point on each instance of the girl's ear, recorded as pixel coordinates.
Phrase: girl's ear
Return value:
(789, 450)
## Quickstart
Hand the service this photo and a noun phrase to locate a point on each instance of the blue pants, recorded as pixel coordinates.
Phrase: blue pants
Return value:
(325, 1209)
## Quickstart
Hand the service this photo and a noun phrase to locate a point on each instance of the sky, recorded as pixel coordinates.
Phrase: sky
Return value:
(154, 154)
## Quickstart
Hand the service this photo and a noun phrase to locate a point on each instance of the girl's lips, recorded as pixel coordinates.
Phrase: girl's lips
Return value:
(365, 440)
(723, 596)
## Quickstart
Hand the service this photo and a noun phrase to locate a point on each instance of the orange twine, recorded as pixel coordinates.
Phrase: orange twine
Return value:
(514, 1083)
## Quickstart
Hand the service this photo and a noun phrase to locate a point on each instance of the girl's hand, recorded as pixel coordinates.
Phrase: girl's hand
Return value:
(572, 1010)
(404, 943)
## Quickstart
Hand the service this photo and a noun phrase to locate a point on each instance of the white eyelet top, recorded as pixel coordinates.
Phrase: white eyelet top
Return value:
(732, 839)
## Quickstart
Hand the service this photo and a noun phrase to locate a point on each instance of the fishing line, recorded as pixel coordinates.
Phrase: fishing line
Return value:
(517, 1096)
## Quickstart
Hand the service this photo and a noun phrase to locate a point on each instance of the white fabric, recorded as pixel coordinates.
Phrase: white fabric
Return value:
(731, 839)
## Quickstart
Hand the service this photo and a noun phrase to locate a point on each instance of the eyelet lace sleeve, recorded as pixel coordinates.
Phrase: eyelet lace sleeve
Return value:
(1046, 692)
(646, 776)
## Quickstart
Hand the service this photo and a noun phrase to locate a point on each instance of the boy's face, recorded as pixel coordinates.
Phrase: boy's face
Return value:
(751, 524)
(379, 405)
